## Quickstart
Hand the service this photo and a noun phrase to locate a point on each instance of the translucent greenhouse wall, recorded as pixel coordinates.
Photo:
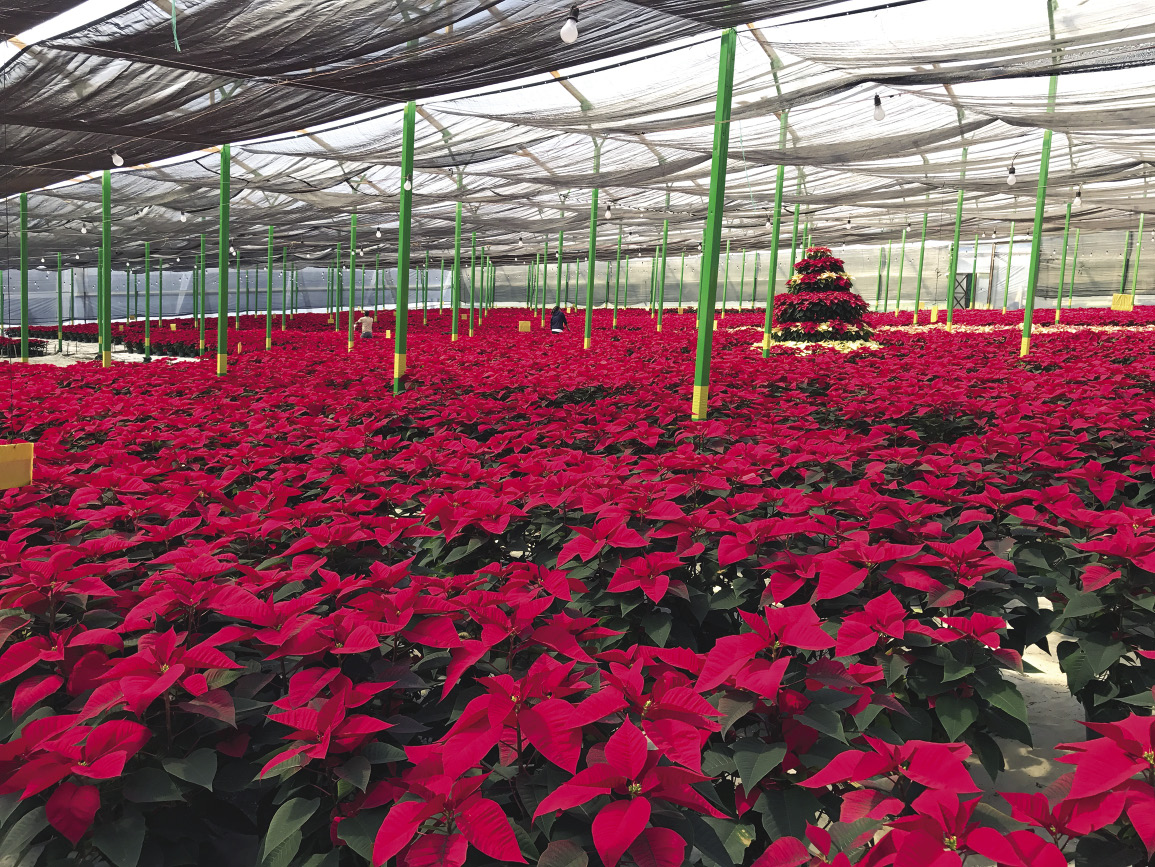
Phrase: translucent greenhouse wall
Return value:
(1098, 274)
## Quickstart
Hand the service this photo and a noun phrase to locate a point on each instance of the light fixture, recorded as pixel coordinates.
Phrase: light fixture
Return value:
(699, 246)
(609, 211)
(1078, 198)
(769, 221)
(378, 233)
(569, 30)
(78, 256)
(520, 242)
(178, 258)
(232, 251)
(42, 261)
(1011, 179)
(83, 229)
(117, 159)
(183, 217)
(879, 111)
(848, 222)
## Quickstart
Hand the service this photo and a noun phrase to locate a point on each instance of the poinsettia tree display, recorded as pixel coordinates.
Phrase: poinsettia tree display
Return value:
(820, 305)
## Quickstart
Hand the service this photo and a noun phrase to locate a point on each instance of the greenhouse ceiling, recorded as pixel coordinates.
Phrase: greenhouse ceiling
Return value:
(519, 127)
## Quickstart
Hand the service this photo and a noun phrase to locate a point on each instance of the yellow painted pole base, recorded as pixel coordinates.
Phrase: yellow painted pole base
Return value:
(659, 326)
(1004, 311)
(934, 313)
(398, 365)
(453, 338)
(147, 344)
(765, 341)
(222, 363)
(106, 358)
(914, 321)
(238, 347)
(15, 465)
(202, 346)
(470, 332)
(350, 345)
(587, 343)
(268, 343)
(701, 400)
(1025, 347)
(172, 325)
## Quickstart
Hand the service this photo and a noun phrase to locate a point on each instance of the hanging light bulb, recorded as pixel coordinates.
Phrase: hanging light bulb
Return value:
(769, 220)
(1078, 198)
(1011, 179)
(609, 211)
(520, 242)
(569, 30)
(84, 230)
(78, 256)
(117, 159)
(183, 217)
(178, 258)
(408, 185)
(232, 251)
(42, 261)
(879, 111)
(378, 233)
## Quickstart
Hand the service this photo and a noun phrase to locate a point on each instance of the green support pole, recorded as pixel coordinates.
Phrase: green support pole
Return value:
(560, 253)
(472, 277)
(713, 238)
(608, 272)
(352, 275)
(1063, 270)
(106, 267)
(626, 300)
(591, 265)
(148, 302)
(955, 249)
(223, 265)
(1010, 251)
(425, 293)
(269, 296)
(921, 261)
(1138, 251)
(662, 273)
(1037, 231)
(204, 293)
(901, 269)
(71, 296)
(24, 277)
(60, 303)
(1040, 199)
(1126, 261)
(775, 232)
(404, 236)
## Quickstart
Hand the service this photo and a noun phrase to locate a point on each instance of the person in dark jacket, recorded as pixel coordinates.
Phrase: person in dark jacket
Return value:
(557, 322)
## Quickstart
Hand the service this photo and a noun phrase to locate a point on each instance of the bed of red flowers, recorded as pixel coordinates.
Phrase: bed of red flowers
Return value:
(527, 612)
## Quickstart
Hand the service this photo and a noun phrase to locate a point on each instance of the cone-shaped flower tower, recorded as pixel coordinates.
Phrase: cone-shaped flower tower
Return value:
(820, 305)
